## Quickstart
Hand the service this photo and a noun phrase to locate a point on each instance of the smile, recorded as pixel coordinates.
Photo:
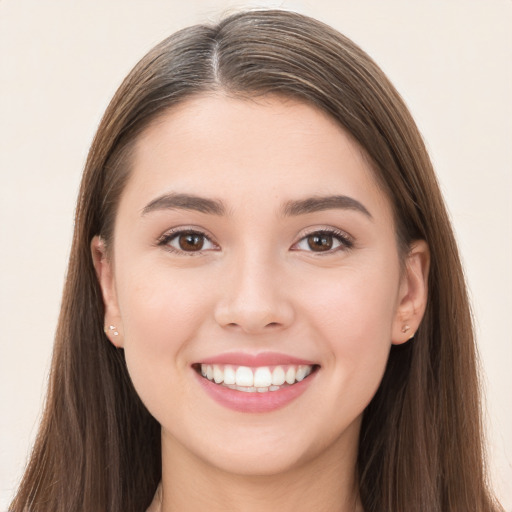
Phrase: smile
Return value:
(255, 384)
(255, 380)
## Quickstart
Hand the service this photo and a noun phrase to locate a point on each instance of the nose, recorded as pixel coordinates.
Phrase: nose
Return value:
(254, 297)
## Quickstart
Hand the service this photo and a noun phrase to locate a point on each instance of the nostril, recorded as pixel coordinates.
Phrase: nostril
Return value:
(251, 316)
(270, 324)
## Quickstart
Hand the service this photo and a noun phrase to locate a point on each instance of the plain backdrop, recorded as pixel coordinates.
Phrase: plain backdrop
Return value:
(60, 63)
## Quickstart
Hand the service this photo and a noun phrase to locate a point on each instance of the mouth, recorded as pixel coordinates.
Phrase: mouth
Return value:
(260, 379)
(255, 383)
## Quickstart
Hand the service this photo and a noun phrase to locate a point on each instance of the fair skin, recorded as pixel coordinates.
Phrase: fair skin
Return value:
(260, 273)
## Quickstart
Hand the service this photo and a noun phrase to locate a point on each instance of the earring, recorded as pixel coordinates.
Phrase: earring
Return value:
(112, 330)
(406, 328)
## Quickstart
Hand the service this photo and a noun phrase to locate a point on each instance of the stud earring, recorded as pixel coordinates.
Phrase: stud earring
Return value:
(112, 330)
(407, 328)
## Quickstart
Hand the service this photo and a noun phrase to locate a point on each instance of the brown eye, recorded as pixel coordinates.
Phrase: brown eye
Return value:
(319, 242)
(327, 241)
(188, 242)
(191, 241)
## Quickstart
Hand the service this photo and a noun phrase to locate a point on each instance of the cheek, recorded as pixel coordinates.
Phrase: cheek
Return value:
(160, 310)
(352, 317)
(354, 303)
(160, 314)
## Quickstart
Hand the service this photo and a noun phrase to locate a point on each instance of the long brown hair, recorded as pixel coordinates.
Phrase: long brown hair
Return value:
(98, 448)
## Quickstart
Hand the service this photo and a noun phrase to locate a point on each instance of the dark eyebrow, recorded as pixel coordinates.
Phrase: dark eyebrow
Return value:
(317, 204)
(185, 202)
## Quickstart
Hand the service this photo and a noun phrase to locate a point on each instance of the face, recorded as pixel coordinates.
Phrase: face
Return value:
(255, 282)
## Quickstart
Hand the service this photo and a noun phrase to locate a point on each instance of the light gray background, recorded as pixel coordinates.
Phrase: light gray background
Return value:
(61, 61)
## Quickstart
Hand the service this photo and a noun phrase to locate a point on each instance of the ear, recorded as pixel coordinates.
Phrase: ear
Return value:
(105, 275)
(413, 293)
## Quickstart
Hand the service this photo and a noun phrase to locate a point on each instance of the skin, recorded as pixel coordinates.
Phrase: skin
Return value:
(257, 287)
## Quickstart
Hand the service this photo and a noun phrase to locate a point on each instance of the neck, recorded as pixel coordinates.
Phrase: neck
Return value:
(325, 483)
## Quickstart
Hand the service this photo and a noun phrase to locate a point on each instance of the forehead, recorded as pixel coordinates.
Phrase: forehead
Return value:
(249, 152)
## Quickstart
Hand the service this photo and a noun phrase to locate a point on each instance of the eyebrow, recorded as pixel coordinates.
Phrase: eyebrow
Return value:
(291, 208)
(320, 203)
(185, 202)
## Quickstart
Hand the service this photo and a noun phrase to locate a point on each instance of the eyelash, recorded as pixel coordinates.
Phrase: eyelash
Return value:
(168, 237)
(345, 241)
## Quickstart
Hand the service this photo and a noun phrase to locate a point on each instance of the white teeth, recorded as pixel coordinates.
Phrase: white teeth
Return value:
(245, 389)
(244, 376)
(218, 374)
(290, 375)
(301, 374)
(262, 377)
(278, 376)
(229, 375)
(251, 380)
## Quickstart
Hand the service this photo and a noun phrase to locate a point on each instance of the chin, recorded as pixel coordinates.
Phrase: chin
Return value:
(266, 452)
(253, 461)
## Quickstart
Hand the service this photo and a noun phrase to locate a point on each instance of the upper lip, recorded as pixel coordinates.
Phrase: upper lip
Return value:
(255, 360)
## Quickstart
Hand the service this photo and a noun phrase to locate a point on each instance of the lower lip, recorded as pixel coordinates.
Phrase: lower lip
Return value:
(254, 402)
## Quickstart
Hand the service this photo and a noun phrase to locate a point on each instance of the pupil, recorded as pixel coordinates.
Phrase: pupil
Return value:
(320, 242)
(191, 242)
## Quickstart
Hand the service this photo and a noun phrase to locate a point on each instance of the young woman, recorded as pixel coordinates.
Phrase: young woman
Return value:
(264, 308)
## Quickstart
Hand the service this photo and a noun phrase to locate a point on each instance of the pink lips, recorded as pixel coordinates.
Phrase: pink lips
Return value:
(261, 359)
(255, 402)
